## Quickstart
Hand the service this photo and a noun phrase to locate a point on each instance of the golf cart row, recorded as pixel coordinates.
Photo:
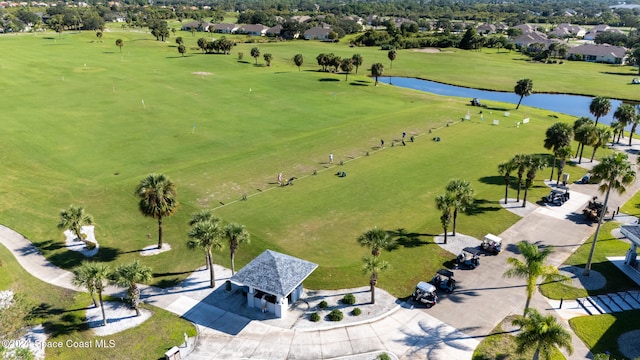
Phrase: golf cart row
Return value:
(469, 258)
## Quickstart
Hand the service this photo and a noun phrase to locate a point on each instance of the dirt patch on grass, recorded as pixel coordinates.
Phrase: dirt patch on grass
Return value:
(201, 73)
(428, 50)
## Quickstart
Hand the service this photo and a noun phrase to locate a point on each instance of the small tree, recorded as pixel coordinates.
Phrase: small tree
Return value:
(120, 43)
(236, 234)
(462, 194)
(373, 265)
(129, 275)
(542, 333)
(158, 199)
(298, 59)
(206, 234)
(99, 35)
(505, 169)
(347, 66)
(179, 40)
(602, 135)
(392, 56)
(376, 239)
(94, 277)
(182, 49)
(255, 53)
(535, 163)
(444, 203)
(202, 44)
(356, 59)
(267, 58)
(74, 218)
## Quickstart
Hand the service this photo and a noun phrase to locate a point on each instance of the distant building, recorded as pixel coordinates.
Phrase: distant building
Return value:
(252, 29)
(603, 53)
(317, 33)
(197, 26)
(225, 28)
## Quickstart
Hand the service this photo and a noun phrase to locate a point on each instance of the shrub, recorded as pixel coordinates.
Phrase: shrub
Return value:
(314, 317)
(335, 315)
(384, 356)
(356, 312)
(349, 299)
(323, 305)
(240, 55)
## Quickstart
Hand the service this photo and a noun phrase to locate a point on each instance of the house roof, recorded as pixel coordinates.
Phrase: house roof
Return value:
(253, 28)
(225, 27)
(599, 50)
(275, 273)
(632, 232)
(317, 31)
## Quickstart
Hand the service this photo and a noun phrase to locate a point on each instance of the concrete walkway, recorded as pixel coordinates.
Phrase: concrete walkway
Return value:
(450, 330)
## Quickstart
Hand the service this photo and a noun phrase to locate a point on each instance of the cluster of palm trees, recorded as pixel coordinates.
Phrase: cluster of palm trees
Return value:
(542, 333)
(377, 240)
(458, 197)
(526, 167)
(96, 276)
(208, 233)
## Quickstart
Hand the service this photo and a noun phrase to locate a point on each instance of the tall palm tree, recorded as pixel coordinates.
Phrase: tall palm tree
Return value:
(376, 239)
(542, 333)
(602, 135)
(158, 199)
(392, 56)
(576, 125)
(532, 268)
(625, 114)
(562, 154)
(357, 61)
(462, 194)
(236, 234)
(524, 87)
(74, 218)
(634, 124)
(298, 59)
(444, 203)
(94, 277)
(600, 106)
(558, 136)
(119, 44)
(346, 65)
(585, 135)
(505, 169)
(376, 71)
(618, 129)
(207, 235)
(373, 265)
(520, 161)
(129, 275)
(535, 163)
(613, 172)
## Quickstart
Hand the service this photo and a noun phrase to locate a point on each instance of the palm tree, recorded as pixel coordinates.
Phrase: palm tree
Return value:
(347, 66)
(524, 87)
(206, 234)
(542, 333)
(356, 59)
(462, 194)
(625, 114)
(585, 135)
(532, 268)
(182, 49)
(444, 203)
(74, 218)
(298, 60)
(613, 172)
(576, 125)
(562, 154)
(602, 135)
(558, 135)
(600, 106)
(119, 44)
(376, 71)
(634, 124)
(373, 265)
(94, 277)
(392, 56)
(505, 169)
(520, 162)
(376, 239)
(236, 234)
(255, 53)
(618, 129)
(129, 275)
(535, 163)
(157, 199)
(267, 58)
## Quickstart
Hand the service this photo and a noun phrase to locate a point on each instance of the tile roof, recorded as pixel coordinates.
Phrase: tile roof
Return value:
(275, 273)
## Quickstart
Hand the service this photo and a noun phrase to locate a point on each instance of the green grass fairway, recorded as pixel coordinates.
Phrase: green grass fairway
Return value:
(84, 122)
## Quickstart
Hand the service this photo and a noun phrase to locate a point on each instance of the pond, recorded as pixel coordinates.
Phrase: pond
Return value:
(566, 104)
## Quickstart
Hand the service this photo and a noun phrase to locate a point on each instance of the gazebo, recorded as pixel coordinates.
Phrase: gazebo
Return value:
(274, 281)
(632, 232)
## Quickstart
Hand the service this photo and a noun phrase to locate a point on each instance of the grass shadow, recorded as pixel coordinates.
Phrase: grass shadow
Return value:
(407, 239)
(493, 180)
(353, 83)
(481, 206)
(167, 283)
(329, 80)
(49, 245)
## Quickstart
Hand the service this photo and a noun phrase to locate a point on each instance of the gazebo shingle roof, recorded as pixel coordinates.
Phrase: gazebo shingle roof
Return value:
(275, 273)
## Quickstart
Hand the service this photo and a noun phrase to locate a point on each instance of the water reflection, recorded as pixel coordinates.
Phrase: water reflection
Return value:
(567, 104)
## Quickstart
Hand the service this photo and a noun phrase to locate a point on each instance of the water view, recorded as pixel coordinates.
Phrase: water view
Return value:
(567, 104)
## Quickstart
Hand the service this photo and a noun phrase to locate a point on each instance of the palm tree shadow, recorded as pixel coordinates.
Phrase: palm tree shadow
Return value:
(407, 239)
(481, 206)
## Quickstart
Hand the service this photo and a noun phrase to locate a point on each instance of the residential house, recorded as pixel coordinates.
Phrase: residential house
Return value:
(526, 28)
(593, 32)
(486, 29)
(274, 31)
(301, 18)
(317, 33)
(225, 28)
(531, 38)
(253, 29)
(603, 53)
(197, 26)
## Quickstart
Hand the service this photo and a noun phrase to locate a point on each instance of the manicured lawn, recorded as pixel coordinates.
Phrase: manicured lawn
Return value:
(62, 313)
(607, 246)
(601, 332)
(85, 122)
